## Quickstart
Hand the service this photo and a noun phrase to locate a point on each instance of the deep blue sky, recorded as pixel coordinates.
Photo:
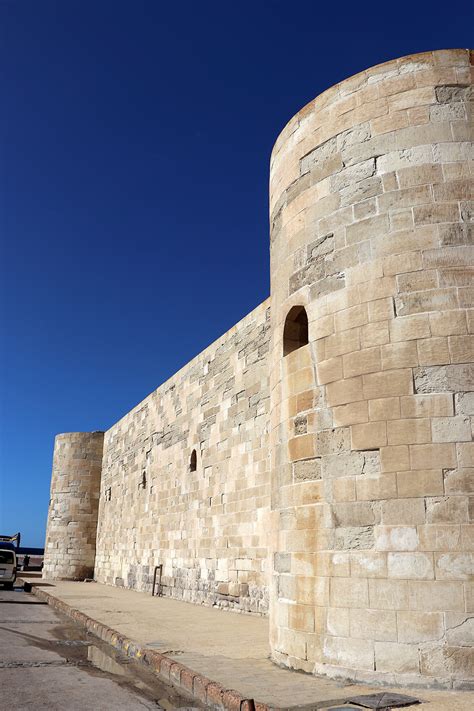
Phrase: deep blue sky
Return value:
(135, 142)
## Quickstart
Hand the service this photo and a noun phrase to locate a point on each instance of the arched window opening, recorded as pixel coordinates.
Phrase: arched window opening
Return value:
(295, 333)
(193, 461)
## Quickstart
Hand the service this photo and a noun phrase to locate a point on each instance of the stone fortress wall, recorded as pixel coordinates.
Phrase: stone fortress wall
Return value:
(370, 225)
(332, 427)
(207, 527)
(70, 545)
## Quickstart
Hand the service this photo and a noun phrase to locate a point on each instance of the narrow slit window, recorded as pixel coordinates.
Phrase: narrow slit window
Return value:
(193, 461)
(143, 481)
(295, 333)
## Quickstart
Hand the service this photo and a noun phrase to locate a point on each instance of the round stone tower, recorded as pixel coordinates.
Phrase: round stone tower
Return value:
(72, 517)
(371, 431)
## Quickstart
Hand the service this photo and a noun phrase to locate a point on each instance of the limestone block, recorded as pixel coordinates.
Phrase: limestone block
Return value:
(409, 431)
(447, 509)
(374, 488)
(282, 562)
(354, 538)
(459, 629)
(436, 405)
(436, 596)
(351, 317)
(388, 594)
(349, 592)
(465, 454)
(370, 435)
(414, 627)
(367, 360)
(440, 537)
(301, 617)
(458, 661)
(410, 566)
(332, 441)
(307, 469)
(301, 380)
(433, 351)
(394, 383)
(302, 447)
(420, 175)
(338, 621)
(454, 566)
(368, 564)
(459, 481)
(396, 355)
(451, 429)
(396, 538)
(345, 391)
(404, 511)
(346, 464)
(423, 456)
(387, 408)
(347, 652)
(469, 596)
(392, 656)
(461, 348)
(448, 324)
(378, 625)
(374, 334)
(364, 229)
(382, 309)
(394, 458)
(344, 489)
(351, 414)
(341, 343)
(464, 403)
(329, 370)
(357, 513)
(423, 482)
(409, 327)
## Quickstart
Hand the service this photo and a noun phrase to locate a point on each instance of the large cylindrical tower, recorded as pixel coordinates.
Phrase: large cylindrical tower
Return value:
(72, 516)
(371, 292)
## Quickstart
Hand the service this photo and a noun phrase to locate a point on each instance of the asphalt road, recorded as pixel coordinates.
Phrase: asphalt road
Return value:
(49, 662)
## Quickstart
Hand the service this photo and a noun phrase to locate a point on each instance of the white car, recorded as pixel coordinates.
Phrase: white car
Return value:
(7, 566)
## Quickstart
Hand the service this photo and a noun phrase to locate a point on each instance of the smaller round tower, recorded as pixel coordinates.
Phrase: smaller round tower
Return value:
(74, 501)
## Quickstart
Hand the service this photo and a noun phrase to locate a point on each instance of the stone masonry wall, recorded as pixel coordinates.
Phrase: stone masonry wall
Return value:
(371, 436)
(322, 469)
(207, 527)
(72, 517)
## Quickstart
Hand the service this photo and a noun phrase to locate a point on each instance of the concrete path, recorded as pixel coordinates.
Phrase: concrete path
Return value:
(228, 648)
(49, 663)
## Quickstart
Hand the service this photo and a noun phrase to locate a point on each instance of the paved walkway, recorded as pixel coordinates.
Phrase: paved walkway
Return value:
(229, 648)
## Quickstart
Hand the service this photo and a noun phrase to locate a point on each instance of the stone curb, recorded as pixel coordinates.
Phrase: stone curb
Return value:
(209, 692)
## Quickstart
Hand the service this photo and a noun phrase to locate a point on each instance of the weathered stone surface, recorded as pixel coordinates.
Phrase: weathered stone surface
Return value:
(450, 378)
(332, 436)
(214, 409)
(354, 538)
(73, 509)
(458, 661)
(307, 469)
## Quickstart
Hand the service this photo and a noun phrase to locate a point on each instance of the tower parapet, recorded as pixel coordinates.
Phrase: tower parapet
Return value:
(72, 517)
(370, 373)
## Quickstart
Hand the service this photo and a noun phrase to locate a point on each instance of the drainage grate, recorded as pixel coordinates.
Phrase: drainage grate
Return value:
(384, 700)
